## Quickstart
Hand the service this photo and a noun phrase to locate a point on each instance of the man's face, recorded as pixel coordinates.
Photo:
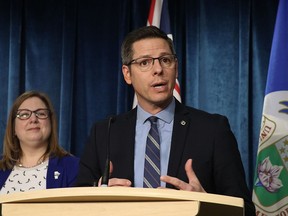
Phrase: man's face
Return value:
(153, 87)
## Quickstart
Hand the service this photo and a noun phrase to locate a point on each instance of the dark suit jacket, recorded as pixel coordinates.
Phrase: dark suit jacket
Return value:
(204, 137)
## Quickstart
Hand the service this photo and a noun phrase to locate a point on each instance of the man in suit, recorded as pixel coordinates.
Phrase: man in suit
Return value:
(186, 134)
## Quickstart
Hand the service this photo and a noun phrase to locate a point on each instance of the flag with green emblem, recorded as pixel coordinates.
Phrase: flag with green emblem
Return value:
(270, 189)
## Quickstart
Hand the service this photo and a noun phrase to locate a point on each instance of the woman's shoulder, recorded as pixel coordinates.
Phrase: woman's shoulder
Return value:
(67, 159)
(70, 157)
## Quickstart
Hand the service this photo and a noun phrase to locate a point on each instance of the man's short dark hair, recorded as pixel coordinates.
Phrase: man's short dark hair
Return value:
(140, 34)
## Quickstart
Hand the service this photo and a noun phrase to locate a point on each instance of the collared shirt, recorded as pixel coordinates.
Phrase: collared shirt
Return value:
(165, 127)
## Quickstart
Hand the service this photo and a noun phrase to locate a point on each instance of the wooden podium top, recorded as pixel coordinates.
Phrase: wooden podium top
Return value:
(90, 194)
(110, 201)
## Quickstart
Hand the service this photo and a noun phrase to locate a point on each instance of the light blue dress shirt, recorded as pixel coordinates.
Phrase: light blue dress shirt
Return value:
(165, 127)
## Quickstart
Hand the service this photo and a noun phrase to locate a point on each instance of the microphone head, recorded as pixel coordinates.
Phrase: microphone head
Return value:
(112, 118)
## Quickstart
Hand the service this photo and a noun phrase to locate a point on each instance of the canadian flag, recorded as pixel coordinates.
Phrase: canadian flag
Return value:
(159, 17)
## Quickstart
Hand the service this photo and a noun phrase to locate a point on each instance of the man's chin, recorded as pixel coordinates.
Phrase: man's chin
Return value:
(163, 101)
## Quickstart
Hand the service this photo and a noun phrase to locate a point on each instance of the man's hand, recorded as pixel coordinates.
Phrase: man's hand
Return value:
(193, 185)
(115, 181)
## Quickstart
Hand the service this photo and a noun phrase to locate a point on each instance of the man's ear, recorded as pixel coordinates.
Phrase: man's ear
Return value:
(126, 74)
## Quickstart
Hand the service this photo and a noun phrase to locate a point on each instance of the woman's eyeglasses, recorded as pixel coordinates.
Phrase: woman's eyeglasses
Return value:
(24, 114)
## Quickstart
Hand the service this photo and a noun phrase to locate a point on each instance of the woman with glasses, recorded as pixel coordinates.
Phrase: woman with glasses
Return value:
(32, 157)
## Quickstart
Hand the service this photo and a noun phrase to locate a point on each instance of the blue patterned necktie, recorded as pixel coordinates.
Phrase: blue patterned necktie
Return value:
(152, 156)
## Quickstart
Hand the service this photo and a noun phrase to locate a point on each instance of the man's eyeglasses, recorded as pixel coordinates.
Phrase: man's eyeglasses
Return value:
(146, 63)
(24, 114)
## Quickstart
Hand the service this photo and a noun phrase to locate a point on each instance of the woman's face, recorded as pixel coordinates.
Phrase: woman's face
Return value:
(34, 131)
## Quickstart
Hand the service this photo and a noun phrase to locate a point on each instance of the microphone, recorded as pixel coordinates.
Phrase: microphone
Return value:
(105, 176)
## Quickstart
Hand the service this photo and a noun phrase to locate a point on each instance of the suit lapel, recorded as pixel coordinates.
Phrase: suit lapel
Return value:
(55, 173)
(180, 130)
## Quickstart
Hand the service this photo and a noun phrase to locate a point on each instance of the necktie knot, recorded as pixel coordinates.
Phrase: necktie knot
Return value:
(153, 119)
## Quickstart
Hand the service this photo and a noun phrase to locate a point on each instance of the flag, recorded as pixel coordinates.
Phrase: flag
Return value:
(270, 188)
(159, 17)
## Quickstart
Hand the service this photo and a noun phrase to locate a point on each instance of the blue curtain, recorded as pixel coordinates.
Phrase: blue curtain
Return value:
(70, 49)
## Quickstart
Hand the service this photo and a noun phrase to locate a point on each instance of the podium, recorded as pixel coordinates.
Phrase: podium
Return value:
(109, 201)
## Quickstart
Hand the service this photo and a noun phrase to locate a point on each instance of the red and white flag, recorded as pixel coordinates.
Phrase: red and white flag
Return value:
(159, 17)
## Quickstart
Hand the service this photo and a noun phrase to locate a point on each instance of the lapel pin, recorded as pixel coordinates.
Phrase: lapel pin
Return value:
(56, 174)
(183, 122)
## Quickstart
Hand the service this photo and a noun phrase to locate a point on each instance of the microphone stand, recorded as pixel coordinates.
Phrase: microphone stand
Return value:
(105, 176)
